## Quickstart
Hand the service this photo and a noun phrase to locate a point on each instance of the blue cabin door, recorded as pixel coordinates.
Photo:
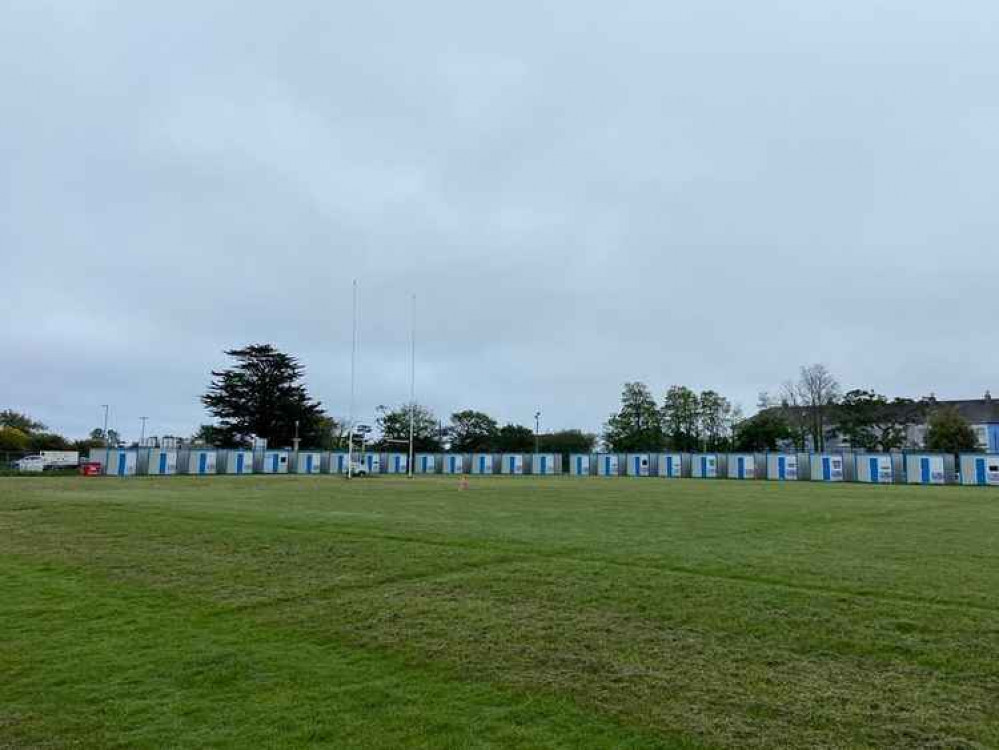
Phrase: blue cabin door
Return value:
(121, 464)
(308, 463)
(607, 465)
(544, 464)
(742, 467)
(704, 466)
(826, 469)
(163, 463)
(669, 466)
(980, 471)
(239, 463)
(482, 464)
(202, 463)
(924, 470)
(781, 468)
(579, 464)
(872, 468)
(274, 463)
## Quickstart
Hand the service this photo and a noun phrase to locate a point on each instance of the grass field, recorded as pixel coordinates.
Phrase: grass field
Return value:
(522, 613)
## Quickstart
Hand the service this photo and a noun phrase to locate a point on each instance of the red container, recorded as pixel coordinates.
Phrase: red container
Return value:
(90, 468)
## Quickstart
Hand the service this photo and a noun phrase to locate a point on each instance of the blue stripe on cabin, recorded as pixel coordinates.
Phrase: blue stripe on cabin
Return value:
(704, 466)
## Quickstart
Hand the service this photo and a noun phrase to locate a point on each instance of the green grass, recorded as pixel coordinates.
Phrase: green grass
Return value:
(592, 613)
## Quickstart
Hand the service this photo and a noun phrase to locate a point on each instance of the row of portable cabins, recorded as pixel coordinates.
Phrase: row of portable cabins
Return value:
(160, 461)
(912, 468)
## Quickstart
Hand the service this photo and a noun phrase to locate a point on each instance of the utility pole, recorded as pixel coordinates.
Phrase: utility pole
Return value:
(537, 432)
(296, 441)
(142, 433)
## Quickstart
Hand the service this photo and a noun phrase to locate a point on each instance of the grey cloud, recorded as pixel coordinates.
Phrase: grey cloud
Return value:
(578, 194)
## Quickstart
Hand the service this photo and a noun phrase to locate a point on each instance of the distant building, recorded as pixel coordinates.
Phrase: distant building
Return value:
(982, 414)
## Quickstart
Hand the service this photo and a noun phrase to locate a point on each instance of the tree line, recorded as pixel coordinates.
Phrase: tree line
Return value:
(263, 395)
(805, 413)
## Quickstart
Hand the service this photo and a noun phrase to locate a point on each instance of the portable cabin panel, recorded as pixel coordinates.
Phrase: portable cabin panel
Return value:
(334, 463)
(783, 467)
(925, 469)
(157, 462)
(580, 464)
(482, 463)
(512, 463)
(396, 463)
(372, 463)
(273, 462)
(116, 462)
(828, 467)
(544, 464)
(979, 469)
(670, 465)
(235, 462)
(742, 466)
(425, 463)
(453, 463)
(638, 464)
(874, 468)
(704, 466)
(198, 461)
(307, 462)
(607, 464)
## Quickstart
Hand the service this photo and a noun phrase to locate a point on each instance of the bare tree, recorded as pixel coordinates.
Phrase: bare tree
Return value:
(794, 413)
(817, 392)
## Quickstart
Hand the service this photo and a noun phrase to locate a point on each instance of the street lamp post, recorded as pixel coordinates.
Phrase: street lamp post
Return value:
(142, 433)
(537, 432)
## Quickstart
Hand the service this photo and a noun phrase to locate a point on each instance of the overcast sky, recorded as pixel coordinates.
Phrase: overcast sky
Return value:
(579, 193)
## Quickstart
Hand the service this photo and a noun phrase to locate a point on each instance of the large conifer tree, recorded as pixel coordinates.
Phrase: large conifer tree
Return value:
(262, 395)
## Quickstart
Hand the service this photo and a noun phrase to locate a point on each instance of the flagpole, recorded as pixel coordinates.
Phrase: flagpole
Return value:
(412, 382)
(353, 367)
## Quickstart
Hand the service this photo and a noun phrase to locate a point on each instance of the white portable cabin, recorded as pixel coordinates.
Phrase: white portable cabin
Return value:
(638, 464)
(543, 464)
(784, 467)
(334, 463)
(372, 463)
(670, 465)
(579, 464)
(453, 463)
(512, 463)
(927, 468)
(980, 469)
(200, 461)
(828, 467)
(396, 463)
(874, 468)
(704, 466)
(742, 466)
(307, 462)
(425, 463)
(235, 462)
(116, 462)
(272, 462)
(482, 463)
(608, 464)
(157, 461)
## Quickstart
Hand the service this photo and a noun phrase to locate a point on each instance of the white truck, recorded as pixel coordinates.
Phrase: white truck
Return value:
(46, 460)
